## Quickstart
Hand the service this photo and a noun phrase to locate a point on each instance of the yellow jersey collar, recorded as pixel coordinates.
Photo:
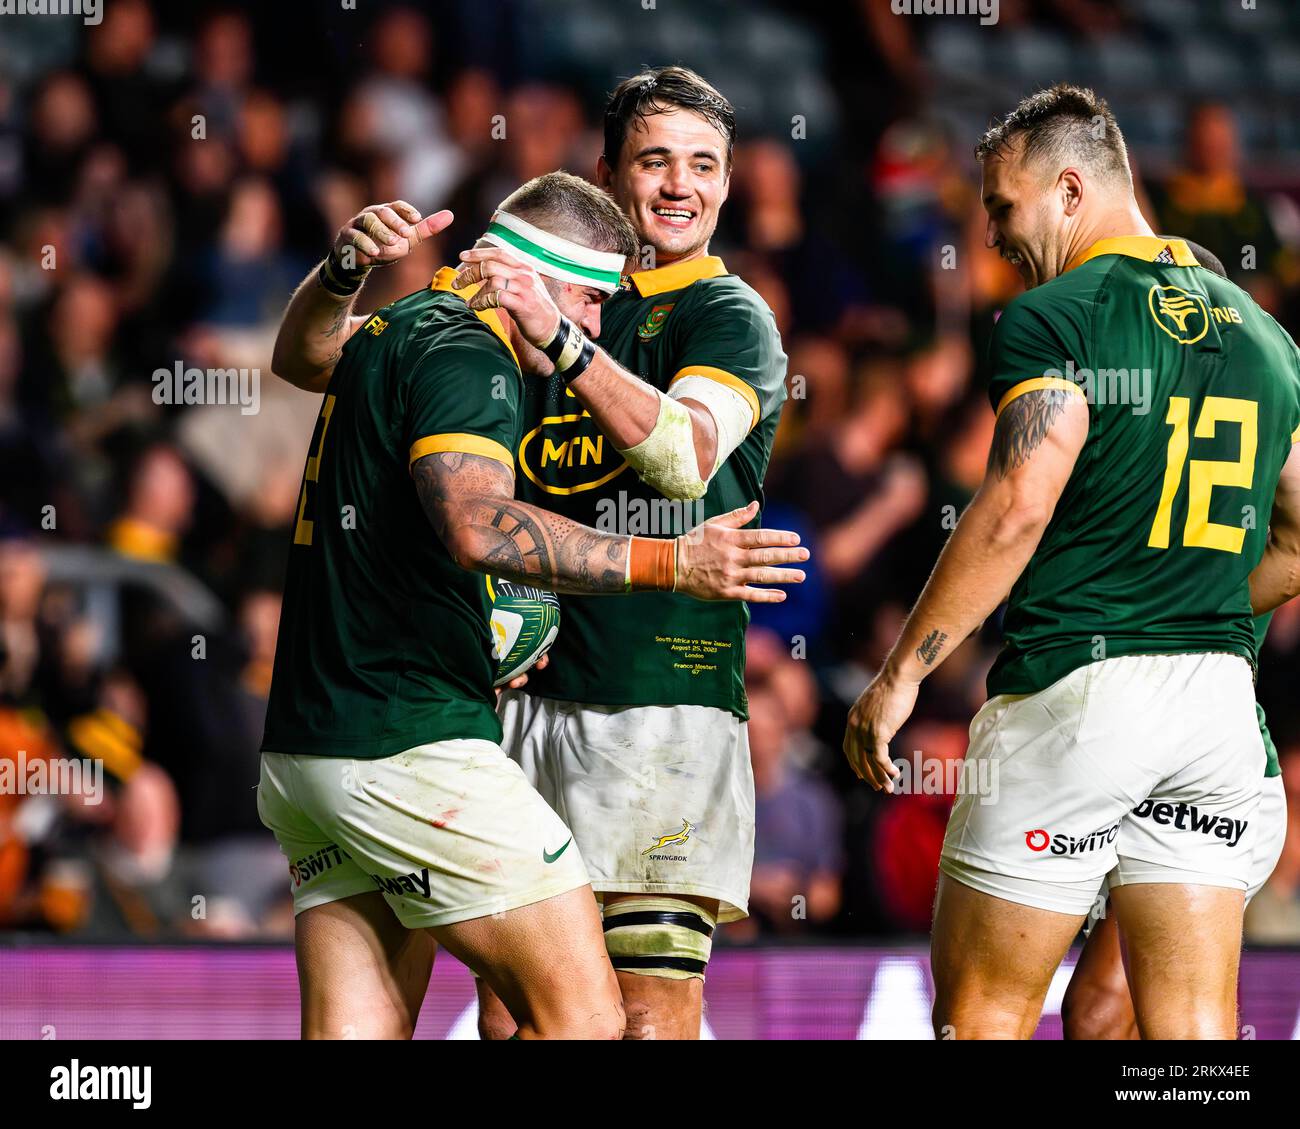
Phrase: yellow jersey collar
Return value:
(675, 276)
(490, 318)
(1146, 247)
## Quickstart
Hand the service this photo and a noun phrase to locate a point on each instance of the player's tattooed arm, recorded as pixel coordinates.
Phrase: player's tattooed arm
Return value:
(319, 320)
(470, 501)
(1022, 427)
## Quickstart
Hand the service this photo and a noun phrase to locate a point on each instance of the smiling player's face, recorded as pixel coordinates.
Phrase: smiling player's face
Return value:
(1024, 226)
(671, 179)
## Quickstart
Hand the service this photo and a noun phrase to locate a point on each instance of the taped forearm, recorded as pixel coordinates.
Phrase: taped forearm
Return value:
(666, 459)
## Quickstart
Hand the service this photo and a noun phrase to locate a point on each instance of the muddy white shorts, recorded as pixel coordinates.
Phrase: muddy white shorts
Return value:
(447, 831)
(660, 798)
(1146, 765)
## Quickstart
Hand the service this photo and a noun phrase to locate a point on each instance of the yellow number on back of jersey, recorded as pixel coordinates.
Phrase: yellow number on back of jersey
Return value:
(1205, 474)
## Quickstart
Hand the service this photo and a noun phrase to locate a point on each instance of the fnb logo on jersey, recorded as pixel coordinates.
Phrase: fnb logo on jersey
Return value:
(1188, 817)
(1182, 314)
(1062, 844)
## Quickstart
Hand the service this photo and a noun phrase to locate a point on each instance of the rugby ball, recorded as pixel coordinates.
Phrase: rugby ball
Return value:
(525, 622)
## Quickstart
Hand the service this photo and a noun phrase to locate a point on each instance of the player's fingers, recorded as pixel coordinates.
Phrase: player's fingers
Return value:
(542, 663)
(756, 595)
(393, 222)
(467, 276)
(517, 682)
(485, 299)
(376, 228)
(775, 556)
(754, 538)
(884, 769)
(490, 255)
(408, 212)
(851, 749)
(736, 518)
(428, 227)
(362, 242)
(773, 576)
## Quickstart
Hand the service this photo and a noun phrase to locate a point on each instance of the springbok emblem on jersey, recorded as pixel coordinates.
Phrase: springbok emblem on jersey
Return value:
(1173, 304)
(673, 837)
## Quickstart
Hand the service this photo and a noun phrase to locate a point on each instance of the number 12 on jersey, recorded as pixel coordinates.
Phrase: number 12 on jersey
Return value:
(1205, 474)
(302, 530)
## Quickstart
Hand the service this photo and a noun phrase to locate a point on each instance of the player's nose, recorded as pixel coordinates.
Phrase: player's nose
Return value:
(990, 234)
(591, 321)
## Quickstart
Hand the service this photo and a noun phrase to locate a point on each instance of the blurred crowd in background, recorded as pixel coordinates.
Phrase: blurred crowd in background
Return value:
(168, 176)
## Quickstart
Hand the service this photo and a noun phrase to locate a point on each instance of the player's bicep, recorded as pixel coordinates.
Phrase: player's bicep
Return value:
(1036, 442)
(449, 481)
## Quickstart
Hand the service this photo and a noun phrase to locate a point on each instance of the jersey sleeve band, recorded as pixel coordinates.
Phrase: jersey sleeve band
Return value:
(463, 443)
(1037, 384)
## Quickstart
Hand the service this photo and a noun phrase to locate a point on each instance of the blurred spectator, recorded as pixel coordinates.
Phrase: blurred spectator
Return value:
(1208, 201)
(798, 856)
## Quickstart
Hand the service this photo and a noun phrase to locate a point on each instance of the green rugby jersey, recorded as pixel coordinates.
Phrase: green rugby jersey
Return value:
(655, 648)
(384, 642)
(1194, 402)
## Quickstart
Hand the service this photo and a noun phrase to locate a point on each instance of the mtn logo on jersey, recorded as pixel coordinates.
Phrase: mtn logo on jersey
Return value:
(654, 322)
(1061, 844)
(568, 454)
(1187, 817)
(1182, 314)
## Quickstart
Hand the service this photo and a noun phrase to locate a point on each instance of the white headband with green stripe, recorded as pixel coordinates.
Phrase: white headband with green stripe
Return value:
(555, 256)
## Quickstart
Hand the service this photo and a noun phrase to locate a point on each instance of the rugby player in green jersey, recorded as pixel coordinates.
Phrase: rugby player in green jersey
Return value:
(382, 776)
(1098, 1003)
(1146, 415)
(636, 729)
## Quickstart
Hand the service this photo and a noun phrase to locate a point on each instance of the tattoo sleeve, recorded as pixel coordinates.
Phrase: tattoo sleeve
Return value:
(470, 501)
(1022, 427)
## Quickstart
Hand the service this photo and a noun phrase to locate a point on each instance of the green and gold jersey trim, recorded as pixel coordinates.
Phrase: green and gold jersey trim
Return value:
(677, 276)
(729, 380)
(1037, 384)
(463, 443)
(442, 281)
(1295, 435)
(1149, 248)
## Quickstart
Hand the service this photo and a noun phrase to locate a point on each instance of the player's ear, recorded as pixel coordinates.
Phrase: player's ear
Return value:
(726, 185)
(1070, 185)
(604, 174)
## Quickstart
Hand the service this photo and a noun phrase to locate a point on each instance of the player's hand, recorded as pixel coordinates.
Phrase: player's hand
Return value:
(879, 713)
(719, 560)
(511, 285)
(383, 233)
(519, 681)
